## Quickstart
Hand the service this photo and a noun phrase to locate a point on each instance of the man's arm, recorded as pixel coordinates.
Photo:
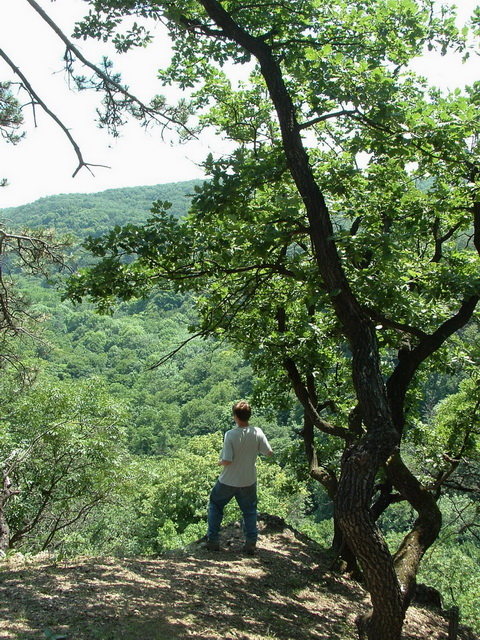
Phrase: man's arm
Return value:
(224, 463)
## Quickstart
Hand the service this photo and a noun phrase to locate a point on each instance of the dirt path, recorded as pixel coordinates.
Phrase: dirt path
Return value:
(285, 591)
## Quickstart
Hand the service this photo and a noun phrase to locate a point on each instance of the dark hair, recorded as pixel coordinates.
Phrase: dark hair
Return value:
(242, 410)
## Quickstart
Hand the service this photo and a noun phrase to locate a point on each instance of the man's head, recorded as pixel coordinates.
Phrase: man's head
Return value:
(242, 411)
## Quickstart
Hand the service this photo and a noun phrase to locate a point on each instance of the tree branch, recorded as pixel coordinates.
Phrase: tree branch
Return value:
(399, 326)
(309, 405)
(37, 100)
(108, 81)
(410, 362)
(327, 116)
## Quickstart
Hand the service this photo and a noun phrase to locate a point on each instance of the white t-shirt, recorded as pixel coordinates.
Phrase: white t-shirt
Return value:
(241, 446)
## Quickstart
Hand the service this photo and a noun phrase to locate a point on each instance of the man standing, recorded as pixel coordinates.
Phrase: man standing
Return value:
(238, 479)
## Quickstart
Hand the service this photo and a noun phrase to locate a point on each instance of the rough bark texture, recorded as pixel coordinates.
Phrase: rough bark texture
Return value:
(4, 531)
(5, 493)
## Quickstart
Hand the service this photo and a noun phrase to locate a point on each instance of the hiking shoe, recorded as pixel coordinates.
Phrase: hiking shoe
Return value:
(211, 545)
(250, 547)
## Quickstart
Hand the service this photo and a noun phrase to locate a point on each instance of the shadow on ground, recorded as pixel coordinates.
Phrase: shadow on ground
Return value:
(285, 591)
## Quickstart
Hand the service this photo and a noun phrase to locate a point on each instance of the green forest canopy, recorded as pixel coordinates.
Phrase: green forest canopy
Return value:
(161, 411)
(349, 268)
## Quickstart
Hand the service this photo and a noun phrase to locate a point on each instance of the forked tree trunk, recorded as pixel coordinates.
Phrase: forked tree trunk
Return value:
(5, 494)
(353, 495)
(355, 490)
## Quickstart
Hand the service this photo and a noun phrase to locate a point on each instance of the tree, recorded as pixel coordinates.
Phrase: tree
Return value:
(294, 246)
(10, 114)
(20, 250)
(117, 100)
(63, 453)
(10, 117)
(338, 245)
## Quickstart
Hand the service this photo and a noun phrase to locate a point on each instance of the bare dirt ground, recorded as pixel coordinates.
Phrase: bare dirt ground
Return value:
(285, 591)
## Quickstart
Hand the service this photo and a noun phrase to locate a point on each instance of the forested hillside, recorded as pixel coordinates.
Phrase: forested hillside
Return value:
(113, 454)
(159, 423)
(123, 348)
(95, 213)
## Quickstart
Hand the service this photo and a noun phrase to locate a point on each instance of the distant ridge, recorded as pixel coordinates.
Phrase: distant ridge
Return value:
(94, 213)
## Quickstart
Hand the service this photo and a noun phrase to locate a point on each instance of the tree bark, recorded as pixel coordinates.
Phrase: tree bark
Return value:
(353, 495)
(4, 529)
(5, 493)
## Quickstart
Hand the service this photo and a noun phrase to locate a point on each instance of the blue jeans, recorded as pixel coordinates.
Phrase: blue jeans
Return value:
(246, 498)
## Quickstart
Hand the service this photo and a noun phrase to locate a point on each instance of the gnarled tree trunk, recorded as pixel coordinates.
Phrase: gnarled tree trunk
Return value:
(5, 493)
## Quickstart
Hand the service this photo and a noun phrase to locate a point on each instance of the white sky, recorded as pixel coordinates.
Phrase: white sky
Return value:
(43, 163)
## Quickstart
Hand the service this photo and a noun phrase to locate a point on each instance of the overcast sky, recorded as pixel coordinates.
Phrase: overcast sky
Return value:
(43, 163)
